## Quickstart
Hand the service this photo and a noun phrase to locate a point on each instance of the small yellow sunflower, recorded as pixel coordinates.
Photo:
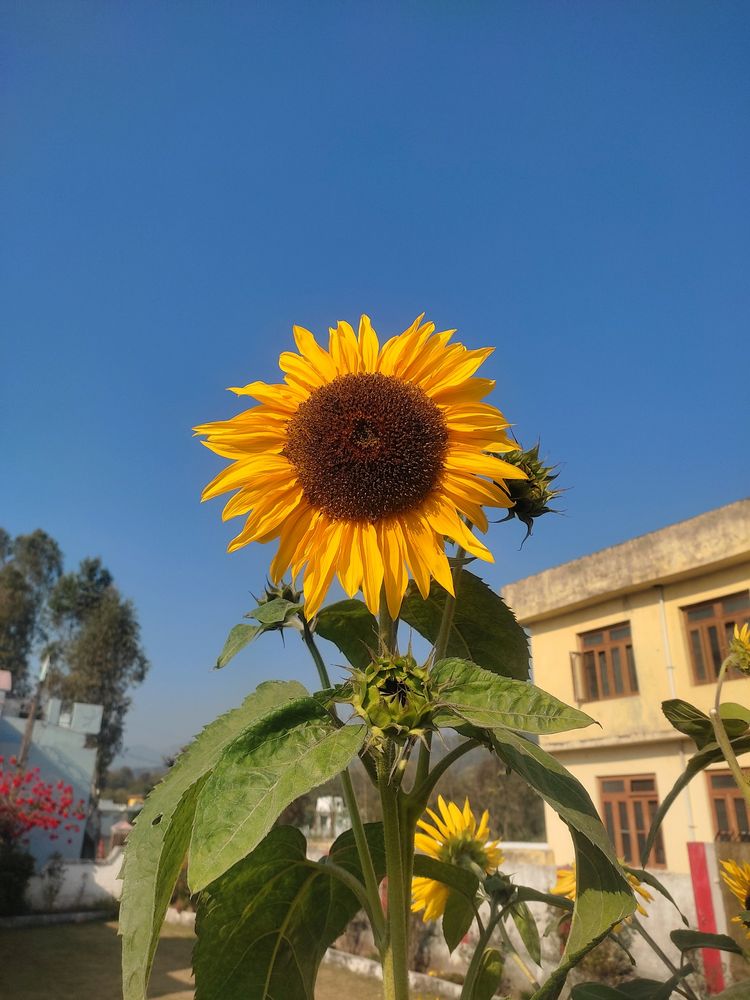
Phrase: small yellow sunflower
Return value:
(566, 886)
(364, 460)
(737, 877)
(457, 839)
(739, 648)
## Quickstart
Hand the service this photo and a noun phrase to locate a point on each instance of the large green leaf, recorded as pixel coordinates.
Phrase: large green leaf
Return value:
(264, 926)
(284, 755)
(157, 846)
(603, 896)
(556, 785)
(484, 629)
(688, 719)
(483, 699)
(697, 763)
(351, 627)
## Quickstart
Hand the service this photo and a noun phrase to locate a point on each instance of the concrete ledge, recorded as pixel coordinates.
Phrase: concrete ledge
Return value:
(712, 540)
(367, 967)
(46, 919)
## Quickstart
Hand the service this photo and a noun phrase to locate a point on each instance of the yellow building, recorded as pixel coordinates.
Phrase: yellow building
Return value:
(618, 632)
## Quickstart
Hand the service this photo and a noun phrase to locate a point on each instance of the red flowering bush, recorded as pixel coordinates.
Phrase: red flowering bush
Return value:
(28, 803)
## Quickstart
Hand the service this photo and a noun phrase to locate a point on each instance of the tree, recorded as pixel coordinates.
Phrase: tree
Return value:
(96, 651)
(30, 566)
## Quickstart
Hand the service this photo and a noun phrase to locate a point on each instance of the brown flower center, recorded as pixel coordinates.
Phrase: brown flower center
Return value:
(367, 446)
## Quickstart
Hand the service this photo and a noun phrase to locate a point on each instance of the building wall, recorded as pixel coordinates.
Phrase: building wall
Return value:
(82, 885)
(635, 738)
(61, 754)
(648, 582)
(554, 638)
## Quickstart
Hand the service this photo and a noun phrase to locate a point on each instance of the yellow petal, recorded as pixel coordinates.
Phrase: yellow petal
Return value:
(367, 343)
(372, 566)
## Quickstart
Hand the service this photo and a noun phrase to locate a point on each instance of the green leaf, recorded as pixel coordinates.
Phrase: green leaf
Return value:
(648, 879)
(275, 612)
(685, 940)
(488, 976)
(157, 845)
(557, 786)
(483, 699)
(603, 896)
(457, 919)
(351, 627)
(527, 928)
(688, 719)
(459, 879)
(238, 638)
(484, 629)
(697, 763)
(288, 752)
(264, 926)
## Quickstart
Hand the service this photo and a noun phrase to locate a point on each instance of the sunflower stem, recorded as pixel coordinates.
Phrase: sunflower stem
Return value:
(395, 953)
(375, 911)
(386, 626)
(476, 959)
(420, 794)
(722, 737)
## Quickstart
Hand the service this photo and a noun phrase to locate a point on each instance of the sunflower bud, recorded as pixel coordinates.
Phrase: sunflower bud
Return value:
(392, 694)
(533, 495)
(284, 591)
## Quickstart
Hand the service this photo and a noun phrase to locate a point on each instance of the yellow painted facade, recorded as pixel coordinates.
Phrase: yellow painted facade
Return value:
(647, 582)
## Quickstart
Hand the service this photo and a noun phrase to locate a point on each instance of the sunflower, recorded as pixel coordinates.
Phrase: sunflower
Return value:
(566, 886)
(740, 648)
(364, 460)
(457, 839)
(737, 877)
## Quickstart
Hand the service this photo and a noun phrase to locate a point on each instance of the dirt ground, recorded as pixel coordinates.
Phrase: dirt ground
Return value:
(70, 961)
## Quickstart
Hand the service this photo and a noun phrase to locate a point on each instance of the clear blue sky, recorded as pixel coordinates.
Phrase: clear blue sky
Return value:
(181, 182)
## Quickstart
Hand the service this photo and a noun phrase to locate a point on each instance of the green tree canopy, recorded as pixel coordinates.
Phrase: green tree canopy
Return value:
(30, 566)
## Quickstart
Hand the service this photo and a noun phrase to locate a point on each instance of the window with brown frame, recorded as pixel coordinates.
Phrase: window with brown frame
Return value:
(710, 628)
(727, 807)
(629, 805)
(608, 663)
